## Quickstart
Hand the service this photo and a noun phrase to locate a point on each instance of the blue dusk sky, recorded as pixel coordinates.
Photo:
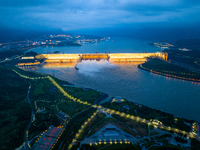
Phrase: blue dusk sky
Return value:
(100, 15)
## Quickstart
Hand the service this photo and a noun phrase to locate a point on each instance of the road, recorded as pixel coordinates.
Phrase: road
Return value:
(26, 147)
(100, 99)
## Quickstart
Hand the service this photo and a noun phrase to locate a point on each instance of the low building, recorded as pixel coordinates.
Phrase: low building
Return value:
(110, 134)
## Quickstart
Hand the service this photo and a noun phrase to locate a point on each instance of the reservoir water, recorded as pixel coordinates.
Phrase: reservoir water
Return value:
(181, 98)
(115, 45)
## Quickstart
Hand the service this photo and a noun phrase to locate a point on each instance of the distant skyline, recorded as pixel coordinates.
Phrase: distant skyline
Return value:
(100, 15)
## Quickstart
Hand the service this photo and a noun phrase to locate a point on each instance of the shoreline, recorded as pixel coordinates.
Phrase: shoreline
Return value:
(127, 100)
(167, 75)
(122, 96)
(115, 95)
(105, 96)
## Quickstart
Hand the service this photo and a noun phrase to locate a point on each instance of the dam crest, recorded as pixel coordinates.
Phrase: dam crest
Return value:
(114, 57)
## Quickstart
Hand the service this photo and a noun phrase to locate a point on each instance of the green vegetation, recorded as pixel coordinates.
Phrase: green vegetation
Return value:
(10, 53)
(154, 133)
(149, 113)
(168, 69)
(72, 128)
(47, 101)
(71, 108)
(141, 128)
(111, 147)
(116, 123)
(180, 140)
(44, 97)
(45, 90)
(148, 144)
(14, 109)
(151, 127)
(27, 73)
(92, 123)
(195, 144)
(188, 43)
(167, 147)
(85, 95)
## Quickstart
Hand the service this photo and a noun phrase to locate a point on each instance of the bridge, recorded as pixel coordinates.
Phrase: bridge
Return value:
(114, 57)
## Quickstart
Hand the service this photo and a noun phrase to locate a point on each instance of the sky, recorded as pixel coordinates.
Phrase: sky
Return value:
(102, 15)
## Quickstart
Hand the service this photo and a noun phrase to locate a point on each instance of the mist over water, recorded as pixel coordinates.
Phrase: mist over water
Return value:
(181, 98)
(92, 68)
(178, 97)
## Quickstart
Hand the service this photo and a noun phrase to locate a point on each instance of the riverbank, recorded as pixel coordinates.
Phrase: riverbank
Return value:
(160, 67)
(49, 104)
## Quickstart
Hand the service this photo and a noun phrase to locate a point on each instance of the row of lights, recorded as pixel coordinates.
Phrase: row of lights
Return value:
(113, 111)
(66, 94)
(117, 112)
(57, 138)
(62, 91)
(169, 75)
(81, 129)
(148, 122)
(27, 77)
(110, 142)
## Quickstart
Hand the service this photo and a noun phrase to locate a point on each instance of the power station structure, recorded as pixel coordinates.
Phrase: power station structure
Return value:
(114, 57)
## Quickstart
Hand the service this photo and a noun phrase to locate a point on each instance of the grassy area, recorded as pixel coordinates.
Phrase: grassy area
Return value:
(45, 90)
(92, 123)
(14, 109)
(161, 67)
(72, 128)
(44, 96)
(111, 147)
(148, 144)
(71, 108)
(27, 73)
(154, 133)
(189, 57)
(85, 95)
(141, 128)
(116, 123)
(195, 144)
(149, 113)
(167, 147)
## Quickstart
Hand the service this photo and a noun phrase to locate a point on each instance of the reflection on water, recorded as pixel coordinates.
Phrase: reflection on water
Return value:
(116, 45)
(124, 79)
(30, 68)
(59, 65)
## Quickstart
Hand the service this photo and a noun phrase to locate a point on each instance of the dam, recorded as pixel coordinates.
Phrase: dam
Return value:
(114, 57)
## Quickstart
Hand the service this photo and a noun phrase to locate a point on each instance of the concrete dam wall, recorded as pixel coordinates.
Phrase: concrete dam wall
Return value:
(115, 57)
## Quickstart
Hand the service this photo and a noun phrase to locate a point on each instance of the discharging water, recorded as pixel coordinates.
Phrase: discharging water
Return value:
(182, 98)
(124, 79)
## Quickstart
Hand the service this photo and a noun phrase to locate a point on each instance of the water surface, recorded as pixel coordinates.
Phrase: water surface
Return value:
(115, 45)
(124, 79)
(182, 98)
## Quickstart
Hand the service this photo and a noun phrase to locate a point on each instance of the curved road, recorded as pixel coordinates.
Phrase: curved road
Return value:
(26, 147)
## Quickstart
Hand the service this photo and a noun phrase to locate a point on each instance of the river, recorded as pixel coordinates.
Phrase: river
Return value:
(181, 98)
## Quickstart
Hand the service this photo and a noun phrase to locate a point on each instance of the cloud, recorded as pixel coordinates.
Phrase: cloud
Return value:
(79, 14)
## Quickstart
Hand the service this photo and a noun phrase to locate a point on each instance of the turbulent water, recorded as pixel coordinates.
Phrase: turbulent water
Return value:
(124, 79)
(182, 98)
